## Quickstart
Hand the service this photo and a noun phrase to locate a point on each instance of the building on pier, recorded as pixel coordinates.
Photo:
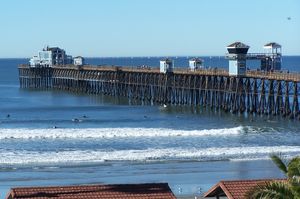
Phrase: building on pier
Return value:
(43, 59)
(51, 56)
(166, 65)
(195, 64)
(270, 60)
(78, 61)
(273, 61)
(237, 54)
(59, 56)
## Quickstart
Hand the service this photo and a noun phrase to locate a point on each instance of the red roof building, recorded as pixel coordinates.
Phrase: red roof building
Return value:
(129, 191)
(235, 189)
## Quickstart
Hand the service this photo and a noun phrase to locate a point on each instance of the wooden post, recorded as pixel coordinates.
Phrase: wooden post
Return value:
(295, 109)
(287, 110)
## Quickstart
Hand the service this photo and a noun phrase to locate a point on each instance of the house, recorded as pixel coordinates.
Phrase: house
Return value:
(132, 191)
(235, 189)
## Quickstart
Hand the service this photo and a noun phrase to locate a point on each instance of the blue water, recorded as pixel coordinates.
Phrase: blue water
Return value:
(115, 141)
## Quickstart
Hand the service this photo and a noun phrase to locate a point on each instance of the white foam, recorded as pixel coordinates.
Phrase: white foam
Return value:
(89, 156)
(111, 133)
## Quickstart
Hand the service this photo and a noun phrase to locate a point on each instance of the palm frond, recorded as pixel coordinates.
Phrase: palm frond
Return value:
(295, 185)
(275, 190)
(279, 163)
(293, 167)
(296, 179)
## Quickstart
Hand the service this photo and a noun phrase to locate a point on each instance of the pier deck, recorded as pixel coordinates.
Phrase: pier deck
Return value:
(283, 76)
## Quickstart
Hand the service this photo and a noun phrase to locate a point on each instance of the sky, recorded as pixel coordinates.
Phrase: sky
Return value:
(130, 28)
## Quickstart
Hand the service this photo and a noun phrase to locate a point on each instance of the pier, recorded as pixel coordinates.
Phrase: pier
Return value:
(254, 92)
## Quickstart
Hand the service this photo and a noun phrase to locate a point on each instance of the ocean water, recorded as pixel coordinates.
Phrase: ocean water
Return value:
(115, 141)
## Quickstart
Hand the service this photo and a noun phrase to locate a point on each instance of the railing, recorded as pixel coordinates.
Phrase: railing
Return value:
(262, 55)
(274, 75)
(213, 71)
(252, 56)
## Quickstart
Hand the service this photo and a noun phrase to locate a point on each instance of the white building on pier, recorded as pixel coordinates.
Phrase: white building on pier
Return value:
(50, 56)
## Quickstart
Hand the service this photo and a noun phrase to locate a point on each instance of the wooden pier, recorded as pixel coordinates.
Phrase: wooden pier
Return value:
(257, 92)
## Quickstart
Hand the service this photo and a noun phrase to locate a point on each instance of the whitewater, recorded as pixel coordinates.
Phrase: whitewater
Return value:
(97, 133)
(169, 154)
(73, 146)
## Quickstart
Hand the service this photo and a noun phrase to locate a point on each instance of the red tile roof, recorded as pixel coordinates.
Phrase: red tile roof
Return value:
(130, 191)
(235, 189)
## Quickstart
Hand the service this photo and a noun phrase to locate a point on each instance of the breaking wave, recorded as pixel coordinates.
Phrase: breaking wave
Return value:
(111, 133)
(168, 154)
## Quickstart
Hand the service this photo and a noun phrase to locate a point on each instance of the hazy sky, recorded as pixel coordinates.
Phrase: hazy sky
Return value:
(104, 28)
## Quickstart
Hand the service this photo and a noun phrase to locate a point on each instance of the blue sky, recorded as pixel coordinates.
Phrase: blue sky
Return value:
(101, 28)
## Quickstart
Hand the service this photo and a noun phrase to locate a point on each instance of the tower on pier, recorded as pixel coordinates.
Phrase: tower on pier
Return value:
(272, 59)
(237, 55)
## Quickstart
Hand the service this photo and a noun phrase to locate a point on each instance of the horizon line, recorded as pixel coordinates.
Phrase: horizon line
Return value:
(144, 56)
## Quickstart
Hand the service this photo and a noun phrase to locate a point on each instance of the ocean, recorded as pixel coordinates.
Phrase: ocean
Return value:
(61, 138)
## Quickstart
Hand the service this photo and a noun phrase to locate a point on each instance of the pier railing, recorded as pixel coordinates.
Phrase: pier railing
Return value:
(274, 75)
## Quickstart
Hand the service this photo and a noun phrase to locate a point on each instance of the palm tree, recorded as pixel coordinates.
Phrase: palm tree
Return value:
(289, 189)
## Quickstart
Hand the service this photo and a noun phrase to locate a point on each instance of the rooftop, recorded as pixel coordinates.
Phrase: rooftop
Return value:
(166, 59)
(238, 45)
(132, 191)
(272, 45)
(235, 189)
(196, 59)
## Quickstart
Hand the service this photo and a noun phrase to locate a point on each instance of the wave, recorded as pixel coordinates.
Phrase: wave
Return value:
(169, 154)
(112, 133)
